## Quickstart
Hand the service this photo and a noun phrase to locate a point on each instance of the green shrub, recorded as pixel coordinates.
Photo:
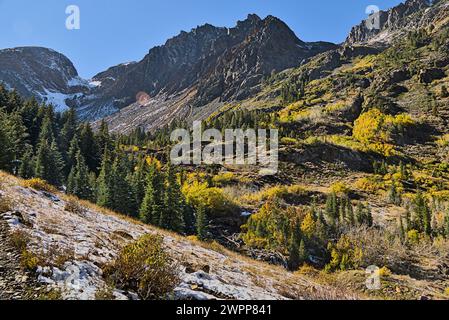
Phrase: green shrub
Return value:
(29, 261)
(19, 239)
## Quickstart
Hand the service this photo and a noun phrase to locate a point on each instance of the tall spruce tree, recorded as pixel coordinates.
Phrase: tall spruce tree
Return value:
(49, 163)
(172, 217)
(26, 169)
(104, 182)
(201, 223)
(79, 182)
(423, 214)
(153, 204)
(121, 188)
(295, 257)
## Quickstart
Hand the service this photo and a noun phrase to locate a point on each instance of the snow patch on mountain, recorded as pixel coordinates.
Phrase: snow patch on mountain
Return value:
(57, 99)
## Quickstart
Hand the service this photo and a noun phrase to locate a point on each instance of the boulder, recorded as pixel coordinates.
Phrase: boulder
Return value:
(429, 75)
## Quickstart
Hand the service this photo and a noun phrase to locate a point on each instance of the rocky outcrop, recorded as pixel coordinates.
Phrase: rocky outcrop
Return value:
(396, 22)
(42, 73)
(429, 75)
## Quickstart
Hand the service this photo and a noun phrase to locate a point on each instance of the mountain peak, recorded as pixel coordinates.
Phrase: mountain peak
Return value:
(395, 22)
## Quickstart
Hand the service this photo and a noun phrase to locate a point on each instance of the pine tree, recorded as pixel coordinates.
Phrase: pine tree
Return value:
(89, 148)
(393, 196)
(70, 157)
(172, 216)
(446, 226)
(408, 220)
(152, 205)
(139, 180)
(296, 254)
(26, 169)
(70, 185)
(201, 223)
(423, 214)
(93, 187)
(332, 207)
(68, 130)
(360, 214)
(121, 188)
(401, 229)
(79, 179)
(342, 210)
(369, 217)
(103, 138)
(49, 163)
(350, 210)
(104, 182)
(6, 150)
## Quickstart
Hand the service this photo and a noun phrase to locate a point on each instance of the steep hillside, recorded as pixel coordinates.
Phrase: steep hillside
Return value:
(72, 241)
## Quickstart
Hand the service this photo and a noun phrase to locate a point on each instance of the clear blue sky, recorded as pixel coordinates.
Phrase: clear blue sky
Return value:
(116, 31)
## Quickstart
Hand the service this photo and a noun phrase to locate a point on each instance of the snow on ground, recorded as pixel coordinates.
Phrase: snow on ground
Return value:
(95, 84)
(90, 239)
(57, 99)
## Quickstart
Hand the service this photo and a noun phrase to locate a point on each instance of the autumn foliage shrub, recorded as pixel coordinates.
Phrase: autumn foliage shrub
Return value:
(213, 199)
(39, 184)
(146, 268)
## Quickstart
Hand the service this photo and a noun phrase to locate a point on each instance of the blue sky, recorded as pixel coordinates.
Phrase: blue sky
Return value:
(116, 31)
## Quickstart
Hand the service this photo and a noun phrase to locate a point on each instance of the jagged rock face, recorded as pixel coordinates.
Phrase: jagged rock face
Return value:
(270, 47)
(219, 62)
(42, 73)
(411, 15)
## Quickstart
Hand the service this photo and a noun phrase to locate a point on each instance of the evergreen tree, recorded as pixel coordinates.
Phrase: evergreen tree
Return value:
(7, 149)
(446, 226)
(49, 163)
(89, 148)
(350, 210)
(152, 205)
(139, 180)
(79, 179)
(172, 215)
(68, 130)
(103, 138)
(121, 188)
(296, 253)
(26, 169)
(423, 214)
(369, 217)
(332, 207)
(201, 223)
(70, 185)
(360, 214)
(104, 182)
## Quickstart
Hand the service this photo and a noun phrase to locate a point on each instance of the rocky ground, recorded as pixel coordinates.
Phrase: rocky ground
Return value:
(74, 244)
(15, 284)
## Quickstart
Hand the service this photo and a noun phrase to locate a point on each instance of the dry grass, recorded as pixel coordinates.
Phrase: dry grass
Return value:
(6, 204)
(19, 239)
(39, 185)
